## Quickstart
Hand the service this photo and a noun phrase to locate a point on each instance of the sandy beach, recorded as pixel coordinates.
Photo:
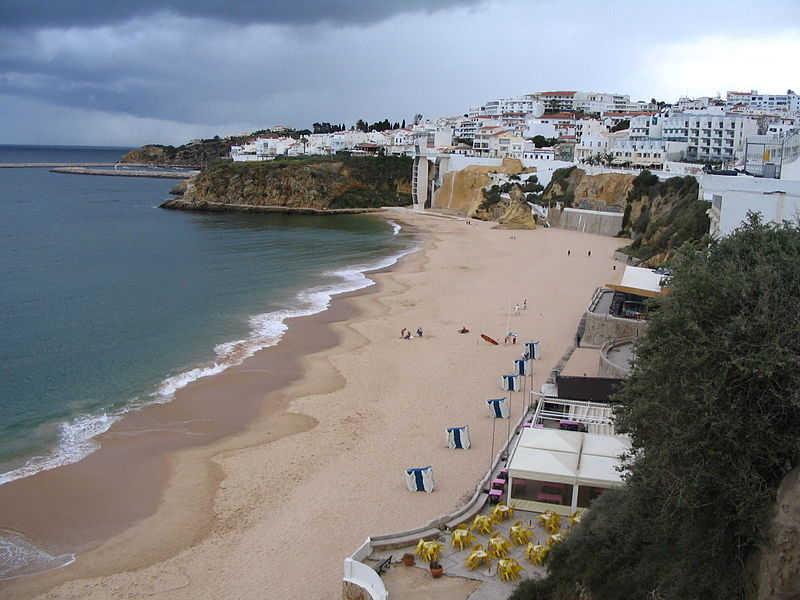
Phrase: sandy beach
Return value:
(304, 445)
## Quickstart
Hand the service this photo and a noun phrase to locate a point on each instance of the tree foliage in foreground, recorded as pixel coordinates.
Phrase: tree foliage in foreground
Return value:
(713, 409)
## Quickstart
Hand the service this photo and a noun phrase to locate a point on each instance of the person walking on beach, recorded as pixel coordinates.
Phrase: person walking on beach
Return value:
(525, 304)
(568, 252)
(516, 309)
(419, 331)
(590, 253)
(402, 333)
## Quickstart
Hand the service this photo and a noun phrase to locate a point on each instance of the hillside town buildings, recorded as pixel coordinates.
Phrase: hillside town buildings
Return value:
(601, 128)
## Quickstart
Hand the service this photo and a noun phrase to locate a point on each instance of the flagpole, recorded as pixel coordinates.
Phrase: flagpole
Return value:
(491, 455)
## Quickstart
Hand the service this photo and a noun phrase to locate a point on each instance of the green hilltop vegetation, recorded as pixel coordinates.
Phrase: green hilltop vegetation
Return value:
(315, 182)
(713, 410)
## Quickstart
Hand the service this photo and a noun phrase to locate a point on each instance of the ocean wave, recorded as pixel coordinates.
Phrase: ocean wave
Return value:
(75, 442)
(20, 556)
(76, 437)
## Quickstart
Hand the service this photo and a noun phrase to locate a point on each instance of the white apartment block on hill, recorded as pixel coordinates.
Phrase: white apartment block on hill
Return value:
(527, 105)
(710, 137)
(646, 126)
(788, 102)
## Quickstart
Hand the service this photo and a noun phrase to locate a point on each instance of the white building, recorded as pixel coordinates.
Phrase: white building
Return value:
(710, 137)
(732, 197)
(788, 102)
(646, 126)
(527, 105)
(649, 154)
(557, 101)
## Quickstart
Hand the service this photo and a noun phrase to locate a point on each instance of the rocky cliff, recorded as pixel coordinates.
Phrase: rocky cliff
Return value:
(659, 215)
(572, 186)
(199, 154)
(316, 183)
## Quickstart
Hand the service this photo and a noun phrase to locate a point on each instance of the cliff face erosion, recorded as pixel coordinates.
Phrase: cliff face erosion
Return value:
(318, 183)
(659, 215)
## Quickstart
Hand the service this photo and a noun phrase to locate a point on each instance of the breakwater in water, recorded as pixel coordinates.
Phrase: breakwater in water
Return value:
(50, 165)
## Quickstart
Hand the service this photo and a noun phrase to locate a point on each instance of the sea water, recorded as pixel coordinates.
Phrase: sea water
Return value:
(108, 303)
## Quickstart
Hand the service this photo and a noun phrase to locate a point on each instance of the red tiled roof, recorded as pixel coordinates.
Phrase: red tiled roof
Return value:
(557, 93)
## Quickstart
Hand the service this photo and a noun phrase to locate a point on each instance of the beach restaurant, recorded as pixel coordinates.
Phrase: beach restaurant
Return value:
(563, 470)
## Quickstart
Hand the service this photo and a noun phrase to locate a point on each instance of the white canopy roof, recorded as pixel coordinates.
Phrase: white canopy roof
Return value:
(546, 454)
(545, 438)
(599, 471)
(639, 281)
(606, 445)
(544, 465)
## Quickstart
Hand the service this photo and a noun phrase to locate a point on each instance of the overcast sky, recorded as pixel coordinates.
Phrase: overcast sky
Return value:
(105, 72)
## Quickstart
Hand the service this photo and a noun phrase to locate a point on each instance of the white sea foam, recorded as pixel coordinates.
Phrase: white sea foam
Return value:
(75, 441)
(76, 438)
(20, 556)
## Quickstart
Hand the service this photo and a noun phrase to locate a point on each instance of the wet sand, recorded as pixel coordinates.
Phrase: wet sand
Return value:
(303, 446)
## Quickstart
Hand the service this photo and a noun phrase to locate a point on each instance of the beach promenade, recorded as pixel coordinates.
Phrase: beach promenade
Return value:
(273, 511)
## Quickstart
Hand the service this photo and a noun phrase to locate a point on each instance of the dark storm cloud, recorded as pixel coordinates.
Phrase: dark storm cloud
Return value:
(89, 13)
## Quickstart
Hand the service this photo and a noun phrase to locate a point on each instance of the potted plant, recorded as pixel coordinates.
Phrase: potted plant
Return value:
(436, 569)
(408, 559)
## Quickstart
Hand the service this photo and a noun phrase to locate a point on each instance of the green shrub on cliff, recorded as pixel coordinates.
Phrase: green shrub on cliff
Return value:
(660, 215)
(712, 406)
(317, 182)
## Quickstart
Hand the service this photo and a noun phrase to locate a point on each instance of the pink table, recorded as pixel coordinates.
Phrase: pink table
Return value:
(550, 498)
(498, 484)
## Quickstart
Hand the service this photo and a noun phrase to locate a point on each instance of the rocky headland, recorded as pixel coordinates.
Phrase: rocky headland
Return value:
(301, 185)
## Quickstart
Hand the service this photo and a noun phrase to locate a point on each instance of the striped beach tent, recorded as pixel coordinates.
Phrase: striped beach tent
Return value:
(498, 408)
(511, 383)
(458, 437)
(420, 480)
(532, 350)
(522, 367)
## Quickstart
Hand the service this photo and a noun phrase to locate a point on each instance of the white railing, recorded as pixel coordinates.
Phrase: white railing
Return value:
(365, 577)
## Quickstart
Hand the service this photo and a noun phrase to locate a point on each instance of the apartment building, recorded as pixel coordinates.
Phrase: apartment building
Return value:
(599, 102)
(527, 105)
(482, 143)
(651, 154)
(646, 126)
(788, 102)
(557, 101)
(710, 137)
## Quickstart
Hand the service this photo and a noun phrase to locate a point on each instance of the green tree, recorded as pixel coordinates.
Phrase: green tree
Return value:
(623, 124)
(713, 410)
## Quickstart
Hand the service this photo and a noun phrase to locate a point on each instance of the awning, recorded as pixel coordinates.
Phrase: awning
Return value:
(599, 471)
(611, 446)
(544, 465)
(551, 439)
(640, 282)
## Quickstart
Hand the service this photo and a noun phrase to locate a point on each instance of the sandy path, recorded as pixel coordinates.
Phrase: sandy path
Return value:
(285, 513)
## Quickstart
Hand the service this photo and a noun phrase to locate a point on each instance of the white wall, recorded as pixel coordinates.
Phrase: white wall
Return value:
(775, 199)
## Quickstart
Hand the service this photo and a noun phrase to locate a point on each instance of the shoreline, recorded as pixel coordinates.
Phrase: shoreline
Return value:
(351, 405)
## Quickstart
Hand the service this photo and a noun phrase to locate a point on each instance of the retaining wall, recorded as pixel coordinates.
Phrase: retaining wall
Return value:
(609, 368)
(603, 328)
(587, 221)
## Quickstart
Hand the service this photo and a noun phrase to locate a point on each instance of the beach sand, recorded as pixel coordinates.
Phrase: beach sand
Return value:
(305, 443)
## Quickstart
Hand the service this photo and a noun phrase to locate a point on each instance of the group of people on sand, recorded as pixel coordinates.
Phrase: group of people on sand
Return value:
(405, 333)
